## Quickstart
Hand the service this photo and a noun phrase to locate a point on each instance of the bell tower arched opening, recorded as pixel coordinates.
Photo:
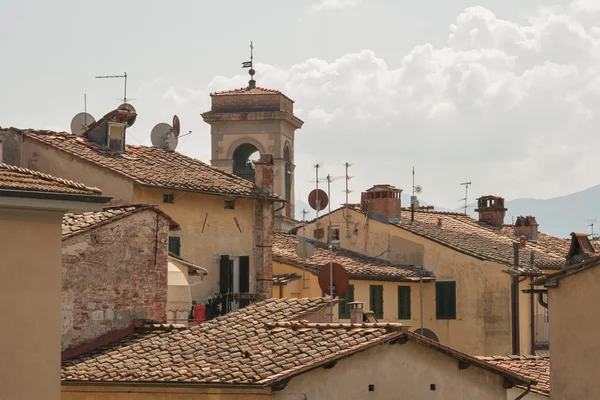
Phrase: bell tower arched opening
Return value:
(244, 157)
(289, 174)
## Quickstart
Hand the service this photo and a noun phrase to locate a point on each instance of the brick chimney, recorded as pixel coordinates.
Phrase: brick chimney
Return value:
(491, 210)
(526, 226)
(264, 227)
(356, 312)
(382, 202)
(581, 248)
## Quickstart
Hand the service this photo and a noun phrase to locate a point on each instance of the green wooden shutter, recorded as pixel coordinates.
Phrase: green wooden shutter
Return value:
(224, 274)
(376, 300)
(404, 302)
(344, 308)
(445, 300)
(175, 245)
(244, 274)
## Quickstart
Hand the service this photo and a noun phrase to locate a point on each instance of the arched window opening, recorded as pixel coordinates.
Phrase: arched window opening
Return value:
(428, 334)
(244, 158)
(289, 177)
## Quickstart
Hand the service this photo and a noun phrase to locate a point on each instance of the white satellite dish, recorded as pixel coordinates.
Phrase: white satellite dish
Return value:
(80, 122)
(159, 133)
(130, 108)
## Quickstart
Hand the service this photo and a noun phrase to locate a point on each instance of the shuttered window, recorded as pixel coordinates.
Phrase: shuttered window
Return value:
(175, 245)
(224, 275)
(376, 300)
(244, 274)
(344, 308)
(445, 300)
(403, 302)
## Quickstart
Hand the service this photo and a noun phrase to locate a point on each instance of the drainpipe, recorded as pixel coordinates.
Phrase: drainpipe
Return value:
(525, 393)
(515, 301)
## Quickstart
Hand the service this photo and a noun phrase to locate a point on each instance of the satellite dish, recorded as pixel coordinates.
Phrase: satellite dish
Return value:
(80, 122)
(305, 250)
(130, 108)
(418, 189)
(340, 279)
(159, 134)
(323, 200)
(176, 125)
(171, 141)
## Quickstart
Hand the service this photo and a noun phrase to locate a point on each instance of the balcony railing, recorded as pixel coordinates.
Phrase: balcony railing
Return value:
(541, 331)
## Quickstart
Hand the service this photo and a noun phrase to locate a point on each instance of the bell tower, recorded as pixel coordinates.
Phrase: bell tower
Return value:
(250, 121)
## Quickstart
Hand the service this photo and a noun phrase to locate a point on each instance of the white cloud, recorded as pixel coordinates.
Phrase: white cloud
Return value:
(504, 104)
(324, 5)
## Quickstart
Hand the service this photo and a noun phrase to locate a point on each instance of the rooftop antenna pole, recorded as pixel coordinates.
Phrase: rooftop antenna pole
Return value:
(466, 184)
(317, 202)
(591, 224)
(347, 193)
(304, 212)
(117, 76)
(412, 200)
(330, 237)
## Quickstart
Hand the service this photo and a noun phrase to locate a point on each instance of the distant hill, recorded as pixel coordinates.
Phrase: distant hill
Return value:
(558, 216)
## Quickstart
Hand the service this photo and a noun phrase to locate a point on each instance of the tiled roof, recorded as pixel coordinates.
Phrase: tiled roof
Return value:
(479, 240)
(16, 178)
(534, 367)
(152, 166)
(261, 344)
(550, 280)
(74, 224)
(284, 279)
(246, 91)
(358, 265)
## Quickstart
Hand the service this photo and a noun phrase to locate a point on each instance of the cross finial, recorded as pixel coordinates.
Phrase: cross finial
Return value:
(249, 64)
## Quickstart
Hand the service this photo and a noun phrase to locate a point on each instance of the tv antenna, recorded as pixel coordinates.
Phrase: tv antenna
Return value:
(117, 76)
(591, 224)
(416, 189)
(348, 177)
(466, 185)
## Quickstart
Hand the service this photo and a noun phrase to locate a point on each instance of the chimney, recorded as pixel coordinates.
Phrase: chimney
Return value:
(356, 312)
(264, 173)
(382, 202)
(264, 226)
(581, 248)
(439, 223)
(526, 226)
(491, 210)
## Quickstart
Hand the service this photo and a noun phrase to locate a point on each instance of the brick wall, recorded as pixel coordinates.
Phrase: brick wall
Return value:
(252, 102)
(110, 278)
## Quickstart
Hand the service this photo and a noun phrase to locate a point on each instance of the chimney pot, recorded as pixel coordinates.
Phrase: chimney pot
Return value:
(264, 173)
(382, 202)
(491, 210)
(356, 312)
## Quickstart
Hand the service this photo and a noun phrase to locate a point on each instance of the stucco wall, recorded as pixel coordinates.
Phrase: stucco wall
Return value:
(208, 231)
(397, 372)
(110, 277)
(123, 392)
(483, 322)
(575, 348)
(44, 158)
(515, 392)
(30, 260)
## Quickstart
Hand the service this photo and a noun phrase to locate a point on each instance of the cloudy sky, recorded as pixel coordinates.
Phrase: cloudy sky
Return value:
(492, 91)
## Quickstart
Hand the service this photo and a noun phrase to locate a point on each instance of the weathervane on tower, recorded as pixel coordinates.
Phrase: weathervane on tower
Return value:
(249, 64)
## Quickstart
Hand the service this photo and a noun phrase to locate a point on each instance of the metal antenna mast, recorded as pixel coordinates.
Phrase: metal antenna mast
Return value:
(466, 185)
(591, 224)
(330, 242)
(317, 197)
(304, 212)
(117, 76)
(348, 177)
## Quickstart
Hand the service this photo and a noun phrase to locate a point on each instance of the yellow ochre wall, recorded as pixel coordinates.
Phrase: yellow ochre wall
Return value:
(574, 327)
(30, 301)
(208, 231)
(163, 392)
(483, 323)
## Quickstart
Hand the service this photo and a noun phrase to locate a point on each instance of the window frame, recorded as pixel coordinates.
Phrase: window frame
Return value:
(445, 308)
(343, 308)
(373, 307)
(404, 312)
(174, 239)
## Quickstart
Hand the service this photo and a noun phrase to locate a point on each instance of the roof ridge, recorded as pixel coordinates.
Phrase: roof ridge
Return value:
(50, 178)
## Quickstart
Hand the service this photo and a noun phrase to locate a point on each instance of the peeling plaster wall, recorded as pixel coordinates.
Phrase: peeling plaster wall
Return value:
(109, 277)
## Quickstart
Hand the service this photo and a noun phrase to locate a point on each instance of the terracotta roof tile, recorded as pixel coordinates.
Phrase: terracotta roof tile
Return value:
(260, 344)
(16, 178)
(152, 166)
(284, 279)
(358, 265)
(246, 91)
(74, 224)
(534, 367)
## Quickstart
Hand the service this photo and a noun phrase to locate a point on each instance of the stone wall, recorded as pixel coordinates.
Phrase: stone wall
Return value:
(112, 275)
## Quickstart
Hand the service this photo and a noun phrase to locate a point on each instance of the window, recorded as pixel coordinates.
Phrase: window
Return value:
(445, 300)
(335, 234)
(403, 302)
(234, 274)
(168, 198)
(175, 245)
(230, 204)
(376, 300)
(319, 233)
(116, 136)
(344, 308)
